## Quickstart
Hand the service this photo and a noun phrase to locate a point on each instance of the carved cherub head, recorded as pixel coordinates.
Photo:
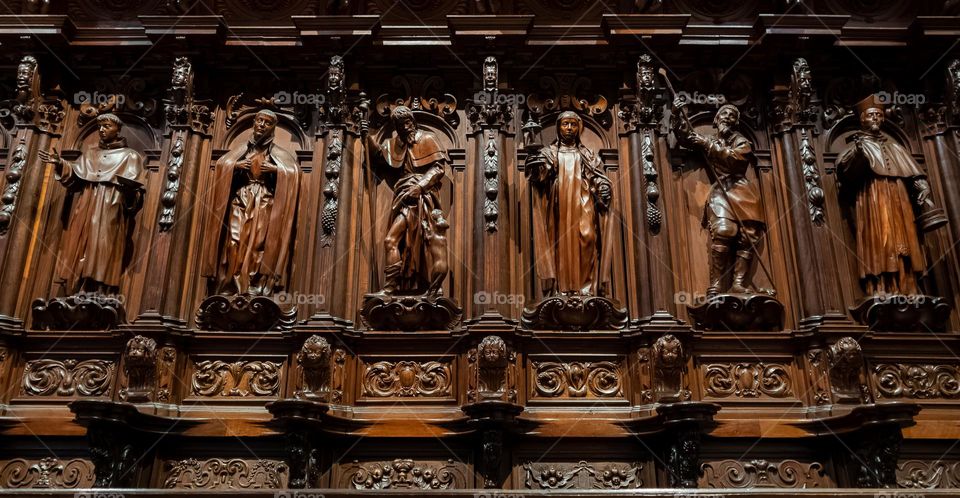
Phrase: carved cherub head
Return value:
(314, 353)
(140, 351)
(492, 351)
(668, 352)
(846, 354)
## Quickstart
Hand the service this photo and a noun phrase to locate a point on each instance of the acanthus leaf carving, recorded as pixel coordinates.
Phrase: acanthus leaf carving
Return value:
(582, 475)
(217, 473)
(408, 379)
(747, 380)
(236, 379)
(578, 379)
(171, 189)
(11, 192)
(917, 380)
(48, 377)
(918, 474)
(47, 473)
(405, 473)
(760, 473)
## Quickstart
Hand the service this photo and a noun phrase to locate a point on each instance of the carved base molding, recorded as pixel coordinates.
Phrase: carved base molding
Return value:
(244, 314)
(903, 313)
(409, 313)
(80, 312)
(739, 312)
(575, 313)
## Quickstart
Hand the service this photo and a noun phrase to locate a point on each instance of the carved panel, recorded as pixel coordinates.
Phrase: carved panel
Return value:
(217, 473)
(582, 475)
(46, 473)
(492, 372)
(236, 379)
(405, 473)
(763, 474)
(408, 379)
(577, 379)
(70, 377)
(928, 475)
(917, 381)
(747, 380)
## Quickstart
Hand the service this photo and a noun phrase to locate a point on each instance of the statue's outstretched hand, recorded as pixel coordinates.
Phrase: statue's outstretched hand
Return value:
(50, 157)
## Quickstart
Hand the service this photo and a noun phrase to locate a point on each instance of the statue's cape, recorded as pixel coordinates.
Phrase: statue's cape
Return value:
(279, 231)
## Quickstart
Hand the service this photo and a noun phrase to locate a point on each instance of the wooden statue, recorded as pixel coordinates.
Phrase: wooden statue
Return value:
(106, 187)
(572, 230)
(413, 163)
(891, 198)
(248, 232)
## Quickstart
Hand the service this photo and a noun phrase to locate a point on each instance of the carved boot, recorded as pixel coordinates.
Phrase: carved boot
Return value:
(718, 266)
(391, 276)
(741, 285)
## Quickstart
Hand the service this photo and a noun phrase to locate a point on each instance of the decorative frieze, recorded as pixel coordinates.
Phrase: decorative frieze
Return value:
(236, 379)
(582, 475)
(747, 380)
(405, 473)
(216, 473)
(46, 473)
(70, 377)
(762, 474)
(408, 379)
(917, 380)
(577, 379)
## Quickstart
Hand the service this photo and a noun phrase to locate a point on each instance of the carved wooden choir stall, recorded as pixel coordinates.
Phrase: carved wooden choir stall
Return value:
(444, 246)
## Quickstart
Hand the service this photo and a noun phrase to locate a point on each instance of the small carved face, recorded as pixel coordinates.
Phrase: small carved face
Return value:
(569, 130)
(314, 352)
(872, 120)
(492, 350)
(490, 76)
(179, 79)
(407, 127)
(24, 74)
(438, 220)
(108, 130)
(647, 78)
(263, 125)
(727, 118)
(136, 350)
(334, 77)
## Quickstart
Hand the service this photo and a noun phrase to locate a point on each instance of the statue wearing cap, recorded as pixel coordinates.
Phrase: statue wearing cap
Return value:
(571, 219)
(733, 211)
(106, 184)
(251, 212)
(880, 175)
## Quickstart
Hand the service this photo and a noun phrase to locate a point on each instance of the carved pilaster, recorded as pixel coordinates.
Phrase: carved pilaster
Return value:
(683, 458)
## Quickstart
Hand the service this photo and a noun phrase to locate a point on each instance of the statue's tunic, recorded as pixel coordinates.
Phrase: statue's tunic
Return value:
(422, 163)
(731, 158)
(886, 233)
(571, 225)
(249, 231)
(101, 214)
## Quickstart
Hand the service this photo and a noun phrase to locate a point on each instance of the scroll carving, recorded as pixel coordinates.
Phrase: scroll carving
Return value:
(918, 474)
(763, 474)
(47, 473)
(602, 379)
(917, 381)
(11, 193)
(68, 377)
(236, 379)
(404, 473)
(747, 380)
(217, 473)
(407, 379)
(582, 476)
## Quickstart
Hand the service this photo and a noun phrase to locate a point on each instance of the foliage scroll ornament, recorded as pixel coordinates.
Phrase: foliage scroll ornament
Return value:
(582, 475)
(217, 473)
(405, 473)
(747, 380)
(576, 379)
(408, 379)
(236, 379)
(69, 377)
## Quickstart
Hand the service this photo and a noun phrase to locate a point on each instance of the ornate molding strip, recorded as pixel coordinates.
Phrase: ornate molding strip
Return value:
(917, 381)
(236, 379)
(47, 473)
(762, 474)
(331, 190)
(405, 473)
(217, 473)
(577, 379)
(8, 202)
(68, 377)
(747, 380)
(918, 474)
(171, 187)
(582, 476)
(408, 379)
(811, 177)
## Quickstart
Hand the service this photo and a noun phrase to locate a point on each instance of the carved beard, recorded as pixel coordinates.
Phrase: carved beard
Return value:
(724, 130)
(409, 138)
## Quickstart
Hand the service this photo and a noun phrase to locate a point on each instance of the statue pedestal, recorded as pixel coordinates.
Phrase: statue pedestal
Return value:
(576, 313)
(738, 312)
(899, 313)
(409, 313)
(79, 312)
(244, 314)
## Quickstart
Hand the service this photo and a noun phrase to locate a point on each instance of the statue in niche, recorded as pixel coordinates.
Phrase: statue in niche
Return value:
(891, 199)
(249, 229)
(733, 213)
(106, 188)
(572, 228)
(413, 163)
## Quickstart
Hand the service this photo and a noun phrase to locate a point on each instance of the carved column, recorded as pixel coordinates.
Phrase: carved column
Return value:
(796, 129)
(38, 121)
(643, 144)
(491, 113)
(186, 139)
